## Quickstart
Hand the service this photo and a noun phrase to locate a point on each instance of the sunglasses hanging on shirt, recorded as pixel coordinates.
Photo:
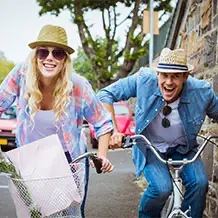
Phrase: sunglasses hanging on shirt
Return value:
(166, 111)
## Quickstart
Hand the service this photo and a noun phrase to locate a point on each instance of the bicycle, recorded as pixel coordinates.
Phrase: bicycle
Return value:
(25, 207)
(172, 208)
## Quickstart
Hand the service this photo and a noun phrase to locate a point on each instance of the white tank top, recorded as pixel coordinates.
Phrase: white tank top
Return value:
(44, 126)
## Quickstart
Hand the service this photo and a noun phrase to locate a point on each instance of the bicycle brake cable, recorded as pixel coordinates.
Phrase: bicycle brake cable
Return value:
(174, 181)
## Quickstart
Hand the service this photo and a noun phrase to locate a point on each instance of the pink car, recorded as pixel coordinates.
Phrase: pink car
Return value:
(124, 119)
(8, 124)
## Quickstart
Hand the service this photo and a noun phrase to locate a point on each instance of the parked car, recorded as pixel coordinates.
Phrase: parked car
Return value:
(7, 129)
(124, 120)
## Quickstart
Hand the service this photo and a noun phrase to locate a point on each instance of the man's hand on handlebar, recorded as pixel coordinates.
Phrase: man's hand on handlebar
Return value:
(116, 140)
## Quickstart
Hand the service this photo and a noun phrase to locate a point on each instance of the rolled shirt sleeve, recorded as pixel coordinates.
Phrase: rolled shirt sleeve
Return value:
(123, 89)
(9, 88)
(95, 112)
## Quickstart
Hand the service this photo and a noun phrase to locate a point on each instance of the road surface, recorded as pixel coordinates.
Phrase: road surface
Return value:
(116, 194)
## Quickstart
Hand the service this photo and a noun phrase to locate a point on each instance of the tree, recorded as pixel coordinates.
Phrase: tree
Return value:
(5, 66)
(110, 61)
(83, 66)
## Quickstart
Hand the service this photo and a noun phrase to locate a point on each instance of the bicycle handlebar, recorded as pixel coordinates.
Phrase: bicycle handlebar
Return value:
(93, 156)
(130, 141)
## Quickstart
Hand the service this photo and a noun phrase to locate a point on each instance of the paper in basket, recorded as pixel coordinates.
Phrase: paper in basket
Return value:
(39, 161)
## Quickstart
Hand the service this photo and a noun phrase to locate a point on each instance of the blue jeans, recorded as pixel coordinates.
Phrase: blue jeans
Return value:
(160, 186)
(86, 181)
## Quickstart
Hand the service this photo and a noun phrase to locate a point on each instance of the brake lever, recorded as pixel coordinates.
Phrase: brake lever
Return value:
(127, 142)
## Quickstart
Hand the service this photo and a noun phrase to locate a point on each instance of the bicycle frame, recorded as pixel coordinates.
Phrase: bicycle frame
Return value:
(174, 209)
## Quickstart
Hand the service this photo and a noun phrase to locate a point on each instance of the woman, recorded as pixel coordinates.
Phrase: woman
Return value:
(53, 100)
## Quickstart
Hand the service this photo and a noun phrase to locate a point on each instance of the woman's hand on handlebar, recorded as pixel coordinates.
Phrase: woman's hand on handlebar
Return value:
(116, 139)
(106, 165)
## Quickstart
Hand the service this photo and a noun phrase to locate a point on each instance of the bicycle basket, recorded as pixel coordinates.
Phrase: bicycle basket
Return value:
(47, 197)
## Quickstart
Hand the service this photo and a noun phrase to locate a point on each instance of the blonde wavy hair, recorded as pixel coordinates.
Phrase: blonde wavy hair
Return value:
(61, 93)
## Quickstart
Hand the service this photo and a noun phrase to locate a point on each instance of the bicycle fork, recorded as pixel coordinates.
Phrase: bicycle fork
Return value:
(177, 190)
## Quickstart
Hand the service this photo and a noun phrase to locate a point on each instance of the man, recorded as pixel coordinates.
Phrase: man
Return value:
(170, 109)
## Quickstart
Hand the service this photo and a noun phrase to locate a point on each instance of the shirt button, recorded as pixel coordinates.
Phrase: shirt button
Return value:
(162, 99)
(156, 109)
(147, 121)
(138, 129)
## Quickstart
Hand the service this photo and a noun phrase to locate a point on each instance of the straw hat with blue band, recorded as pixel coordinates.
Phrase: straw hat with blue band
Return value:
(172, 61)
(52, 36)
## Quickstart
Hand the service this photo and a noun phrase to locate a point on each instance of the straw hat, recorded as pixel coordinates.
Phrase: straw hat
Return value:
(172, 61)
(52, 36)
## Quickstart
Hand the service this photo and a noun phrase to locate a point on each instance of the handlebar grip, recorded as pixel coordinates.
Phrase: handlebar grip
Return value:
(98, 164)
(214, 120)
(127, 142)
(123, 140)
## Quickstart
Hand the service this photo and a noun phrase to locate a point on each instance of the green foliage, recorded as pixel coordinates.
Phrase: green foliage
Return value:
(163, 5)
(106, 60)
(82, 65)
(5, 67)
(106, 66)
(56, 6)
(136, 55)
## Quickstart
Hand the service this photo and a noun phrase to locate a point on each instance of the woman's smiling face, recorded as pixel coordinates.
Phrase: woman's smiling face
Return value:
(171, 85)
(49, 66)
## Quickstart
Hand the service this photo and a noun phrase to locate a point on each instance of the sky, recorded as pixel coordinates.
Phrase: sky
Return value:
(20, 24)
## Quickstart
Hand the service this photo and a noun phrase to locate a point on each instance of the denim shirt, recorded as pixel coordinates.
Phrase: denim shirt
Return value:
(197, 100)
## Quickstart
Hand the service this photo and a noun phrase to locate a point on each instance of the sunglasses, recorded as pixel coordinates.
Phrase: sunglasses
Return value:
(166, 111)
(58, 53)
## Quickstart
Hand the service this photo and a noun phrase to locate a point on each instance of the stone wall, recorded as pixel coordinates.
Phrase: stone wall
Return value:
(198, 35)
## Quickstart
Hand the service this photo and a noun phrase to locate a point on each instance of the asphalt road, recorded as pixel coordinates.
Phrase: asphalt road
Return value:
(116, 194)
(7, 207)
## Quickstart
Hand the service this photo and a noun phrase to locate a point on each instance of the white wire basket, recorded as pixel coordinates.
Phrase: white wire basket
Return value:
(49, 197)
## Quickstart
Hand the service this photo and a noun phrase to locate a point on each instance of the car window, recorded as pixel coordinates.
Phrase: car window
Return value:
(121, 110)
(10, 114)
